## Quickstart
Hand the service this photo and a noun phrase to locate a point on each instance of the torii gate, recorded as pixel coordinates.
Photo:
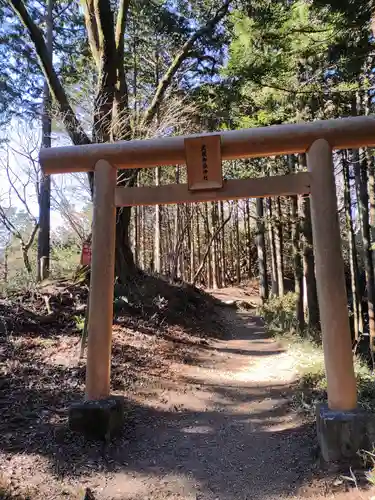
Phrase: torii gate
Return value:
(203, 154)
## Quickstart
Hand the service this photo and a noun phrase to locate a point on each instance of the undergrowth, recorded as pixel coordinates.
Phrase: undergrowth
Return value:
(311, 387)
(279, 313)
(305, 347)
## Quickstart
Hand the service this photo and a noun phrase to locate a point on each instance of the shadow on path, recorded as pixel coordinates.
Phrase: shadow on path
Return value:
(245, 444)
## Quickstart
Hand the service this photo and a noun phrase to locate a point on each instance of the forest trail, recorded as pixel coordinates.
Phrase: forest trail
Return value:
(224, 430)
(206, 419)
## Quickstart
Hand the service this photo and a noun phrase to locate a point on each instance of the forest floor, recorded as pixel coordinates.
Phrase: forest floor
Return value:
(207, 418)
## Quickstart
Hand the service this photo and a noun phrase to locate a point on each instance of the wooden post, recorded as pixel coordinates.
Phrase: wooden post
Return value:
(333, 306)
(101, 283)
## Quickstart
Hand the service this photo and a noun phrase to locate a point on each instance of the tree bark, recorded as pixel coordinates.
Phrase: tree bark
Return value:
(353, 261)
(157, 238)
(272, 246)
(6, 263)
(207, 240)
(25, 247)
(279, 249)
(371, 193)
(124, 261)
(213, 247)
(297, 254)
(222, 246)
(238, 250)
(297, 265)
(248, 238)
(136, 235)
(308, 258)
(231, 254)
(45, 183)
(192, 245)
(198, 236)
(121, 129)
(176, 237)
(360, 166)
(26, 260)
(261, 248)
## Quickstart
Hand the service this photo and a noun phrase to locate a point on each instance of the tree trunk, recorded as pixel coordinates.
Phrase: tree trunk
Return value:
(231, 252)
(213, 248)
(371, 194)
(261, 248)
(124, 262)
(168, 242)
(360, 167)
(136, 235)
(143, 237)
(157, 238)
(6, 263)
(353, 261)
(209, 242)
(192, 245)
(222, 246)
(308, 258)
(309, 265)
(207, 239)
(107, 41)
(248, 238)
(25, 257)
(297, 265)
(45, 182)
(217, 243)
(238, 250)
(279, 249)
(271, 239)
(198, 236)
(176, 233)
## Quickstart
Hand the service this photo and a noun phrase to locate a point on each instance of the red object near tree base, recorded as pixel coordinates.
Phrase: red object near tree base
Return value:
(86, 254)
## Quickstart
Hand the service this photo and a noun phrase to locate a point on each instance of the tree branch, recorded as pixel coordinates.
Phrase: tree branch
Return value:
(92, 28)
(179, 59)
(69, 119)
(121, 125)
(9, 224)
(107, 71)
(30, 241)
(122, 16)
(312, 91)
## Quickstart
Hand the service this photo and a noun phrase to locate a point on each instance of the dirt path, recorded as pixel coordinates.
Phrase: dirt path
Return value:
(215, 424)
(223, 430)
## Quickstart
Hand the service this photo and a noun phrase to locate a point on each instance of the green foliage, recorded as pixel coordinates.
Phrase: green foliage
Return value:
(296, 60)
(279, 313)
(21, 80)
(18, 280)
(64, 260)
(80, 322)
(312, 384)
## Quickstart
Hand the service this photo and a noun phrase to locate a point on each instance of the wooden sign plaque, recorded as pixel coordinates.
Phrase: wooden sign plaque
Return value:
(203, 160)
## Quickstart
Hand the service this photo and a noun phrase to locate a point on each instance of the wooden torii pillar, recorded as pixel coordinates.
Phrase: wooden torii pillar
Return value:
(317, 139)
